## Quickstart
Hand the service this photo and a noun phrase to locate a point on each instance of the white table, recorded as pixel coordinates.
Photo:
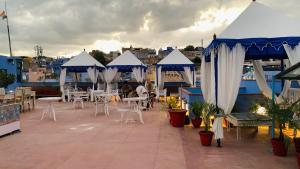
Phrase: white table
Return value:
(135, 105)
(103, 98)
(50, 109)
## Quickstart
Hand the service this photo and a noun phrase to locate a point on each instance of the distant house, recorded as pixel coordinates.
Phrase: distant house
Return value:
(12, 65)
(55, 64)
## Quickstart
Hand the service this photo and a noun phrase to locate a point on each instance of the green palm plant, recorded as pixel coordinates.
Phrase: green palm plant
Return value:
(197, 109)
(282, 113)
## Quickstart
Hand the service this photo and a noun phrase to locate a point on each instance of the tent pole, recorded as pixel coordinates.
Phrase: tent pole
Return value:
(95, 80)
(216, 88)
(156, 77)
(76, 79)
(194, 78)
(282, 69)
(273, 102)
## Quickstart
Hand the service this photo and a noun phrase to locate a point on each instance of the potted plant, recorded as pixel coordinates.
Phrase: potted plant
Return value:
(196, 111)
(295, 125)
(177, 115)
(282, 114)
(206, 135)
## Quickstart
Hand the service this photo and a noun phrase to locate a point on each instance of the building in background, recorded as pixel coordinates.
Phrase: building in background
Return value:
(112, 55)
(55, 65)
(12, 65)
(140, 53)
(164, 52)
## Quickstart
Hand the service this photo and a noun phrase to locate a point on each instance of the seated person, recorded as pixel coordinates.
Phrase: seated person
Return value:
(149, 86)
(126, 88)
(140, 90)
(132, 93)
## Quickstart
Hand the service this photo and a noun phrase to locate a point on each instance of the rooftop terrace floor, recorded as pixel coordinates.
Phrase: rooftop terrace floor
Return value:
(80, 140)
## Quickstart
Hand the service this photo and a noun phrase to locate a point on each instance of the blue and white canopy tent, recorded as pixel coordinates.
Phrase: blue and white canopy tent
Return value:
(127, 62)
(259, 33)
(175, 61)
(80, 63)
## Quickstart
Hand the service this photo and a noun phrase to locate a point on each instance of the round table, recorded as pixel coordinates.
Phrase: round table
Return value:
(50, 109)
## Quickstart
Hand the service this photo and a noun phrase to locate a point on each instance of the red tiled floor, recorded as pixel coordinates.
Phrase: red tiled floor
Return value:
(80, 140)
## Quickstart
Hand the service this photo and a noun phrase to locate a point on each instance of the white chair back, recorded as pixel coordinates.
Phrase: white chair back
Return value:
(2, 91)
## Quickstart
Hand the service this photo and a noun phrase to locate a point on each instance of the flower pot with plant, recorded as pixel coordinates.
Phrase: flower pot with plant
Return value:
(282, 114)
(196, 111)
(177, 115)
(206, 135)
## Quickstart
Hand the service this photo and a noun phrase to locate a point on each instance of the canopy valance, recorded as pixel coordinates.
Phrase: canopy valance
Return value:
(257, 48)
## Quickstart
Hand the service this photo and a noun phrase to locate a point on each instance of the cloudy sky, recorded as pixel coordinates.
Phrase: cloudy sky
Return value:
(66, 27)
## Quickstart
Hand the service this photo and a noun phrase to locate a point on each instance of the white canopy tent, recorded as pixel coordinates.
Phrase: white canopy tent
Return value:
(82, 62)
(258, 33)
(127, 62)
(175, 61)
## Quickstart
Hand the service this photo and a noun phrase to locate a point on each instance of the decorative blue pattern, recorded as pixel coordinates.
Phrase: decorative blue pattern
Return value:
(127, 68)
(80, 69)
(257, 48)
(177, 67)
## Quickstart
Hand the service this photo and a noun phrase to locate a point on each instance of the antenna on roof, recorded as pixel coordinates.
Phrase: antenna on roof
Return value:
(215, 36)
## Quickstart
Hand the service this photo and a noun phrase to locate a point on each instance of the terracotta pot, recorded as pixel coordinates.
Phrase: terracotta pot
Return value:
(297, 144)
(177, 117)
(298, 159)
(278, 147)
(197, 122)
(206, 137)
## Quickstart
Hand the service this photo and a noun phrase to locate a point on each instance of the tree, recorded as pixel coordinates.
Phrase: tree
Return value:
(189, 48)
(99, 56)
(197, 60)
(6, 79)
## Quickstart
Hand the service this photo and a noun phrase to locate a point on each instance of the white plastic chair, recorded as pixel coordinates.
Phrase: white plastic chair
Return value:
(77, 99)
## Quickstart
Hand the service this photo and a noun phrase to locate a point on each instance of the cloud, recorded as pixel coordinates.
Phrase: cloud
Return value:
(67, 26)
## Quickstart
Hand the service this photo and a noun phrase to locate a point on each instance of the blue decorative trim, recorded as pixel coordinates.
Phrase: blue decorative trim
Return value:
(127, 68)
(257, 48)
(80, 69)
(175, 67)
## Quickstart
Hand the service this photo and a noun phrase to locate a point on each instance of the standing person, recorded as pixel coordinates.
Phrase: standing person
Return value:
(152, 94)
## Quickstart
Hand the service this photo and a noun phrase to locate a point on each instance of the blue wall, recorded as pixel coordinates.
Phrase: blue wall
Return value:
(12, 65)
(248, 93)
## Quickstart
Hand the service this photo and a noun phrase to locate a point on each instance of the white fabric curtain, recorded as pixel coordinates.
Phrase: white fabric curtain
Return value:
(143, 74)
(93, 75)
(117, 77)
(263, 85)
(109, 75)
(101, 75)
(230, 70)
(62, 80)
(207, 76)
(137, 73)
(158, 80)
(189, 75)
(293, 54)
(195, 78)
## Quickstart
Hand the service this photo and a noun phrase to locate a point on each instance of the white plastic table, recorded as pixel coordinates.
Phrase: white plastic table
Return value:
(104, 98)
(136, 106)
(50, 109)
